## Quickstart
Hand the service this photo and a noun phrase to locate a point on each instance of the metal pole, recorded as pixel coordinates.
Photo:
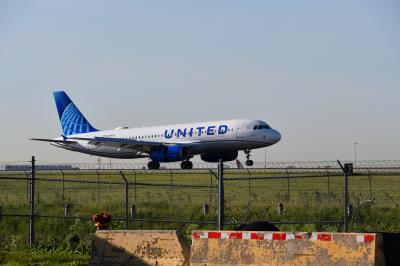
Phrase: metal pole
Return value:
(126, 200)
(32, 205)
(220, 222)
(346, 197)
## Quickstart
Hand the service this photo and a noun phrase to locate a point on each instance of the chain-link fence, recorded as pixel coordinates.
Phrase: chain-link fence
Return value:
(292, 198)
(284, 196)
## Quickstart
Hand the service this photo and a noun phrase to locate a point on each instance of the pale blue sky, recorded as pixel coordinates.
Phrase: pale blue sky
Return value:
(324, 73)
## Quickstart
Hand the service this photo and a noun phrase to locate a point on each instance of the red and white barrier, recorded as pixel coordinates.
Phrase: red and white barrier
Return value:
(366, 238)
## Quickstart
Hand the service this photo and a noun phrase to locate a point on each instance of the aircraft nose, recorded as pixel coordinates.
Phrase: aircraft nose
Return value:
(275, 136)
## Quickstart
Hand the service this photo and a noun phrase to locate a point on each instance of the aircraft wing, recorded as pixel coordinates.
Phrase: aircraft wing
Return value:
(56, 141)
(144, 146)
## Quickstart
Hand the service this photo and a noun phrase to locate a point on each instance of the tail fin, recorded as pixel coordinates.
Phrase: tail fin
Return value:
(72, 120)
(239, 164)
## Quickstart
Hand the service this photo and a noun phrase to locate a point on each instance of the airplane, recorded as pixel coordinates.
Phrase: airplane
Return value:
(213, 140)
(239, 164)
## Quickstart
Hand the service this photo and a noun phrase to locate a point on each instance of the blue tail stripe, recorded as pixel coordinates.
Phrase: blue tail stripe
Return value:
(72, 120)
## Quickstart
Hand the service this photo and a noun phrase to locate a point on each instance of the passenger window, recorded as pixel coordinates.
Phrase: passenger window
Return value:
(255, 128)
(260, 127)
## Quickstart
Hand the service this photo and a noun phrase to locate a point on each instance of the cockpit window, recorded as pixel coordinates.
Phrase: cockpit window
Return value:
(263, 126)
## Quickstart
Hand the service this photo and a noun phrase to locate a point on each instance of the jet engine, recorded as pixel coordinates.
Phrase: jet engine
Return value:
(169, 154)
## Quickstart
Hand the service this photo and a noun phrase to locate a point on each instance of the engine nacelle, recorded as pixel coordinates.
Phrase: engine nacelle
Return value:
(169, 154)
(215, 157)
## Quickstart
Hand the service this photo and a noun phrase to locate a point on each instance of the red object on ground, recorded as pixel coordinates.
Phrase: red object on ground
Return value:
(102, 221)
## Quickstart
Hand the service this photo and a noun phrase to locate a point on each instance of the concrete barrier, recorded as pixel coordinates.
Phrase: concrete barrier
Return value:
(139, 247)
(280, 248)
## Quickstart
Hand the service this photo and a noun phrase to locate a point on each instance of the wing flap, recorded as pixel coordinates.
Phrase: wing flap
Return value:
(144, 146)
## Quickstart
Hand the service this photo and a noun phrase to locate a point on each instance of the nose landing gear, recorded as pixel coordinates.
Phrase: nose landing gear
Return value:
(248, 161)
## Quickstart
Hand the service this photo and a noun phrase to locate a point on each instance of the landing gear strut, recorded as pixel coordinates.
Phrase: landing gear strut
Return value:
(153, 165)
(186, 165)
(248, 161)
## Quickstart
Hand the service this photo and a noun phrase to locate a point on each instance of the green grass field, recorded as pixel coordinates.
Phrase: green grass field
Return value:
(308, 196)
(43, 257)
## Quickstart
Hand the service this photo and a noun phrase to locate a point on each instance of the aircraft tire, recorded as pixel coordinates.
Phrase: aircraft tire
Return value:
(186, 165)
(249, 162)
(153, 165)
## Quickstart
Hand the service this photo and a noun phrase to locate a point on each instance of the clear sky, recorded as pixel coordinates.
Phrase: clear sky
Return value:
(324, 73)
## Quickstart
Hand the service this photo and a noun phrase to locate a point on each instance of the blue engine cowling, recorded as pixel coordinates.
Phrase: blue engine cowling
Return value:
(215, 157)
(169, 154)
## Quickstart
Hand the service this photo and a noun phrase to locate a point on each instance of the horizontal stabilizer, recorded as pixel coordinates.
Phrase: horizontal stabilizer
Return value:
(56, 141)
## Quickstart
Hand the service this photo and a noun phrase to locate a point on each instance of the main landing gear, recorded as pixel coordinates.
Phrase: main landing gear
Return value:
(186, 165)
(153, 165)
(248, 161)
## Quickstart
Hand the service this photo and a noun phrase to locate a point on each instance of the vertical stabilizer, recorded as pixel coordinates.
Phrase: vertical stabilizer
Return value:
(72, 120)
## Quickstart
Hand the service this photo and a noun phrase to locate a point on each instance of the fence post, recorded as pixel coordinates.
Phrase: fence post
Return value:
(126, 199)
(220, 222)
(346, 196)
(348, 167)
(32, 205)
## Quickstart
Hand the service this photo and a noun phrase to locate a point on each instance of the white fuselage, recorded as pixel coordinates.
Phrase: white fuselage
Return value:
(199, 138)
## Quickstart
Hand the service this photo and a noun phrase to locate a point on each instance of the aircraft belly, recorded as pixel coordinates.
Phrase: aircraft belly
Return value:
(217, 146)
